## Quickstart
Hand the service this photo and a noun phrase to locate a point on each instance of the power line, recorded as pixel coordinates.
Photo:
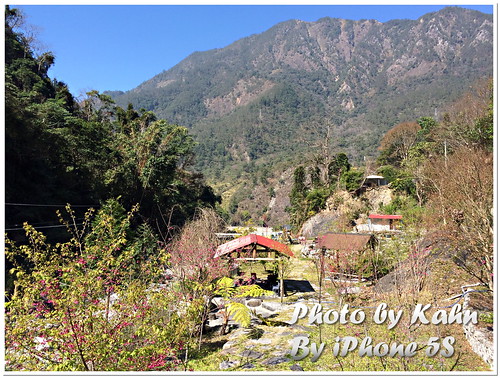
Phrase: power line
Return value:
(41, 224)
(45, 205)
(22, 228)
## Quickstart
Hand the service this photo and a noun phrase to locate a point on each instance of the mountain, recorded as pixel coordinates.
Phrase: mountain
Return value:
(268, 97)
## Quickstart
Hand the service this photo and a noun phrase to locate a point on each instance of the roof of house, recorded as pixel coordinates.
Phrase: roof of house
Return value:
(383, 216)
(247, 240)
(344, 242)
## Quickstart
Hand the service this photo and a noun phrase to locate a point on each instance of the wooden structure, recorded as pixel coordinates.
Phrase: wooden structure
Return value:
(346, 242)
(253, 247)
(384, 222)
(346, 249)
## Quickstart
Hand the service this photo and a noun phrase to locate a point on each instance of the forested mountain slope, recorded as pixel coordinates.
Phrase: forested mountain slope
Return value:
(60, 151)
(254, 100)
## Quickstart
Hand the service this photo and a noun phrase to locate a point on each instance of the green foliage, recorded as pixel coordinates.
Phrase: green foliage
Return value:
(87, 152)
(404, 185)
(88, 304)
(316, 199)
(225, 287)
(408, 207)
(251, 291)
(338, 166)
(352, 179)
(389, 172)
(240, 313)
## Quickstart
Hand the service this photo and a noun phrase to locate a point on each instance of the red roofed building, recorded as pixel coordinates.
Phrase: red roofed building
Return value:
(253, 247)
(380, 223)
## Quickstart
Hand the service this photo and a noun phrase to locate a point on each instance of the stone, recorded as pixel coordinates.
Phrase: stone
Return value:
(280, 353)
(212, 323)
(264, 341)
(224, 365)
(248, 365)
(251, 354)
(254, 302)
(263, 312)
(229, 351)
(271, 306)
(296, 368)
(276, 361)
(229, 344)
(219, 302)
(239, 332)
(350, 290)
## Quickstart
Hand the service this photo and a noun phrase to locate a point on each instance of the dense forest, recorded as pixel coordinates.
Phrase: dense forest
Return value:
(61, 150)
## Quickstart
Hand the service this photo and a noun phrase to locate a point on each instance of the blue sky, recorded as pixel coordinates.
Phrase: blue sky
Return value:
(117, 47)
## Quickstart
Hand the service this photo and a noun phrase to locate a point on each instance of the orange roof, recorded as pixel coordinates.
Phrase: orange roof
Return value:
(344, 242)
(247, 240)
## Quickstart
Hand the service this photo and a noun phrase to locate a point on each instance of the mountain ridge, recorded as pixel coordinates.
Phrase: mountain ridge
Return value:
(249, 101)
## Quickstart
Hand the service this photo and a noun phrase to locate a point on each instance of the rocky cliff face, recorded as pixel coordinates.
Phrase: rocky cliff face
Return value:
(364, 76)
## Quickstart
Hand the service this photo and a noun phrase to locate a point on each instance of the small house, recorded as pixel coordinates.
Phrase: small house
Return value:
(371, 181)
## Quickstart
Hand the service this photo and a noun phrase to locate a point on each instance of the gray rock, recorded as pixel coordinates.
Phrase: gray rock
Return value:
(271, 306)
(251, 354)
(229, 344)
(300, 327)
(248, 365)
(264, 341)
(280, 353)
(212, 323)
(239, 332)
(276, 361)
(296, 368)
(350, 290)
(254, 302)
(224, 365)
(263, 312)
(229, 351)
(218, 301)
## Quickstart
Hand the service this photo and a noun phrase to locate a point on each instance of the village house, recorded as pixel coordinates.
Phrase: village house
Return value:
(371, 181)
(381, 223)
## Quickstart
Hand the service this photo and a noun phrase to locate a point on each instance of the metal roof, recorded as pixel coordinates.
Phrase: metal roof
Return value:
(383, 216)
(345, 242)
(247, 240)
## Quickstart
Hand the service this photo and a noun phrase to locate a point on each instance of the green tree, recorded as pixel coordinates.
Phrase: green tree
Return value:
(337, 167)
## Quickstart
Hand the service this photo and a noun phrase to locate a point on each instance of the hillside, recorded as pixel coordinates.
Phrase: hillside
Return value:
(262, 104)
(254, 99)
